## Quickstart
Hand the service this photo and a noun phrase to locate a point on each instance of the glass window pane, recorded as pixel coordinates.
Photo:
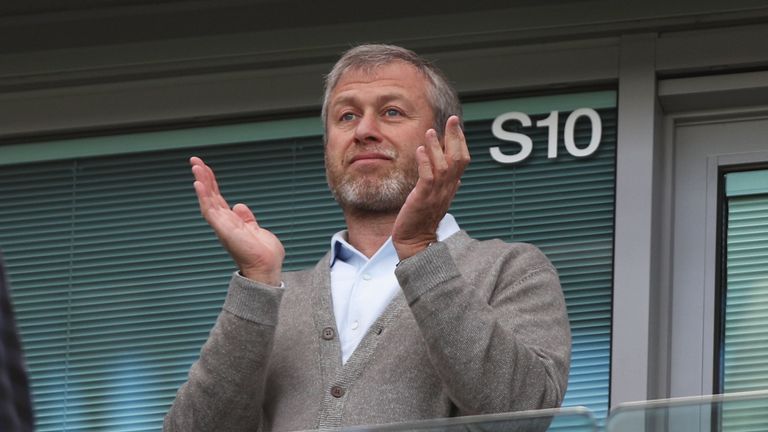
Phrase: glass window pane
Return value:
(745, 348)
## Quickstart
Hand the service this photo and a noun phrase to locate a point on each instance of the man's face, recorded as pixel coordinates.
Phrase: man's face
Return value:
(376, 120)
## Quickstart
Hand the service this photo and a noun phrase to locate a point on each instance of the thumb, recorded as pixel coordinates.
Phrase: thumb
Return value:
(244, 213)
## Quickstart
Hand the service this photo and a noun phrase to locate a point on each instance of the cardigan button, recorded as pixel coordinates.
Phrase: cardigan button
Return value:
(328, 333)
(337, 391)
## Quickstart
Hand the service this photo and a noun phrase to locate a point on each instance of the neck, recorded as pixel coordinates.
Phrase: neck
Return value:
(368, 230)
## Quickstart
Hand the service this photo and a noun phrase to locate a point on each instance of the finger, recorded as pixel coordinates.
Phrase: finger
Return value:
(425, 166)
(244, 213)
(211, 179)
(205, 175)
(455, 143)
(200, 172)
(202, 188)
(203, 200)
(194, 160)
(435, 153)
(212, 206)
(452, 144)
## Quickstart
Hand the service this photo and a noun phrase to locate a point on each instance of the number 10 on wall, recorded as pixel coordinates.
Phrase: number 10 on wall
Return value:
(551, 123)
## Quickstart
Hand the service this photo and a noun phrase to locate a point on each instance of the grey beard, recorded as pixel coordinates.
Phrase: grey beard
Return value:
(386, 195)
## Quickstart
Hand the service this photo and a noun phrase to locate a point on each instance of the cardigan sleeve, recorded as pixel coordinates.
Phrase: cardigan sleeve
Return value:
(225, 386)
(496, 327)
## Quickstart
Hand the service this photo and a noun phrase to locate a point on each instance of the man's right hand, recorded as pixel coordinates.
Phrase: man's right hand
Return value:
(256, 251)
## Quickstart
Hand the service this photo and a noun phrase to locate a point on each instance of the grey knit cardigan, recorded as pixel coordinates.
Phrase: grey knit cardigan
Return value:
(480, 327)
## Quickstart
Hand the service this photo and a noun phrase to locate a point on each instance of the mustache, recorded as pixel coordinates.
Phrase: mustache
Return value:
(383, 150)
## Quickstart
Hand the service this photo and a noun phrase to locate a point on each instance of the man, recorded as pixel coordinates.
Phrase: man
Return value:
(15, 404)
(406, 317)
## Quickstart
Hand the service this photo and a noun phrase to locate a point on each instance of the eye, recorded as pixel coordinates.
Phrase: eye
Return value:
(348, 116)
(392, 112)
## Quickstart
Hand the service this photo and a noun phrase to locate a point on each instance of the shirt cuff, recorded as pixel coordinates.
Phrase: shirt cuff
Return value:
(240, 275)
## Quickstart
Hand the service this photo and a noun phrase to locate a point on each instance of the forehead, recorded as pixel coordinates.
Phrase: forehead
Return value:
(397, 76)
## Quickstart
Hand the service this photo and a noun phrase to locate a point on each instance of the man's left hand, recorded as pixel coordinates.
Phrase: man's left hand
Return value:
(440, 170)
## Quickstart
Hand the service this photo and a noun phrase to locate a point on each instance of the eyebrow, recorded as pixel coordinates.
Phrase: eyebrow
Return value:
(380, 100)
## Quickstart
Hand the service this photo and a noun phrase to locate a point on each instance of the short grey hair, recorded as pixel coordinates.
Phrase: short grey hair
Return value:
(442, 96)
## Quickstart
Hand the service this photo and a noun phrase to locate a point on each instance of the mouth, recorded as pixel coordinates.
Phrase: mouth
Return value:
(369, 157)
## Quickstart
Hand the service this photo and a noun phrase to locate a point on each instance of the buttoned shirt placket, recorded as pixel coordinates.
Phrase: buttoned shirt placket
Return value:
(362, 288)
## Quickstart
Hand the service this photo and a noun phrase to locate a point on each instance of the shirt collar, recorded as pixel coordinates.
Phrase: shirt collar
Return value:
(344, 251)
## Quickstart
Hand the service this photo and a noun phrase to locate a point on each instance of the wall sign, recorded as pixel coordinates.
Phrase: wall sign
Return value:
(551, 123)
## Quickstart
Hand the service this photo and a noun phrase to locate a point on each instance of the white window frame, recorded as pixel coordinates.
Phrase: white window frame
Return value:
(688, 347)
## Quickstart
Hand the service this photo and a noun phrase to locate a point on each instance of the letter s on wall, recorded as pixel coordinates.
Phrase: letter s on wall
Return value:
(526, 144)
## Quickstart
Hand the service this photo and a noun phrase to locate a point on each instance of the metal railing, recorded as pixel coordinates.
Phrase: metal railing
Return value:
(735, 412)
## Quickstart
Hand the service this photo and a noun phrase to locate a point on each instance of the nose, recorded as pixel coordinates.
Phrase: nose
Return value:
(367, 129)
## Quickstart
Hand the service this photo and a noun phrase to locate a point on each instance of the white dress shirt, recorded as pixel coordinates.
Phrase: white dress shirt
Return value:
(362, 288)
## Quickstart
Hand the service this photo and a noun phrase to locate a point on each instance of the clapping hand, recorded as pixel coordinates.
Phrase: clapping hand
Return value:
(440, 170)
(257, 252)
